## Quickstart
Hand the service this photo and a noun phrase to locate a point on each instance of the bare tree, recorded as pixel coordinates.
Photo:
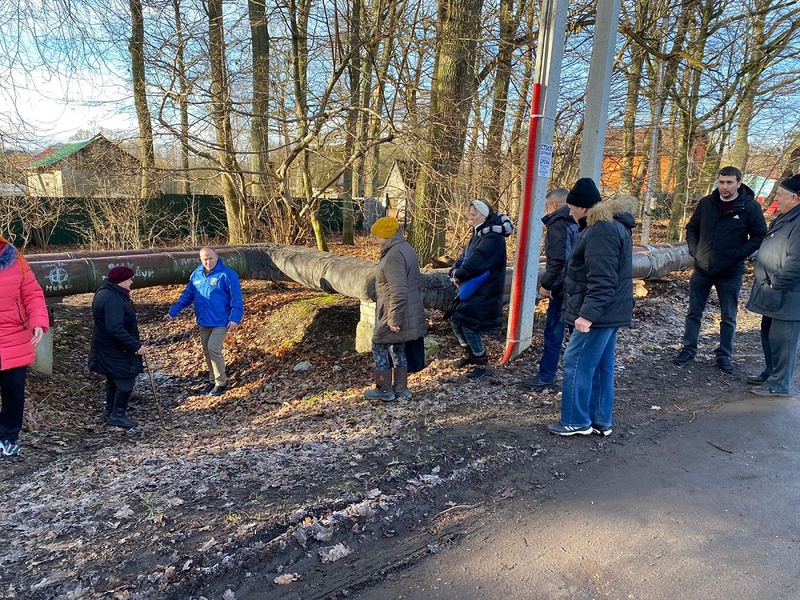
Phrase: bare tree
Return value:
(452, 88)
(238, 222)
(136, 49)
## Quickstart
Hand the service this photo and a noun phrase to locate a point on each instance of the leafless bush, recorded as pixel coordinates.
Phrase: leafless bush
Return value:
(115, 222)
(36, 217)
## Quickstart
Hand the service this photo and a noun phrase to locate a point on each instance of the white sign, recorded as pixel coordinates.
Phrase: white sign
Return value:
(545, 159)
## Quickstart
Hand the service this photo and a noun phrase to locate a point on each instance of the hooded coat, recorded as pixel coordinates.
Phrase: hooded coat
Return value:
(486, 251)
(116, 335)
(776, 289)
(598, 285)
(22, 308)
(397, 294)
(720, 241)
(561, 230)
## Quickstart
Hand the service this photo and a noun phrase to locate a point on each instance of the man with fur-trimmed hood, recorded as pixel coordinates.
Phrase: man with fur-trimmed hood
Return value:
(598, 300)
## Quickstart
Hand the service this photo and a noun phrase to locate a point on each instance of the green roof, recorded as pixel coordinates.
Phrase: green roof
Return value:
(56, 153)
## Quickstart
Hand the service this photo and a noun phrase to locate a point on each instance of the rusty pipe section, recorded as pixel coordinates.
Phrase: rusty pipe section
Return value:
(83, 273)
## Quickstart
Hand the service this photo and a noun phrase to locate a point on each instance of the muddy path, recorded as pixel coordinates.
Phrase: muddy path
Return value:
(292, 474)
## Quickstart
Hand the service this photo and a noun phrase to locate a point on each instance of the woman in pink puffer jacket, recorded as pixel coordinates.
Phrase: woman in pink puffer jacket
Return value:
(23, 322)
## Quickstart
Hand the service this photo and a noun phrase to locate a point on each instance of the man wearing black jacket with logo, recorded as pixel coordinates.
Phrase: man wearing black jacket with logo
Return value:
(727, 226)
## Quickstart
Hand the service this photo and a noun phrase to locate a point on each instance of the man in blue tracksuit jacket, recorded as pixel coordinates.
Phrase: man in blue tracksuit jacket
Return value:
(215, 291)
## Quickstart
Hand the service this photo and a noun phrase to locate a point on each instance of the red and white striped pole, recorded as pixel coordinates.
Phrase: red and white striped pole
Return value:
(547, 74)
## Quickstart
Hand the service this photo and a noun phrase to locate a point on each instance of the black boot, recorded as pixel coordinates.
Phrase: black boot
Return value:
(111, 392)
(467, 358)
(400, 376)
(481, 367)
(118, 417)
(383, 387)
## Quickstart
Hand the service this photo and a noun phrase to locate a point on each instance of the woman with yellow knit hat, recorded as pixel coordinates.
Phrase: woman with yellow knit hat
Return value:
(399, 312)
(23, 322)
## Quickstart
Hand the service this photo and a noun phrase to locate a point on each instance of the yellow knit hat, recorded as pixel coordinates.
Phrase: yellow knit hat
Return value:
(385, 227)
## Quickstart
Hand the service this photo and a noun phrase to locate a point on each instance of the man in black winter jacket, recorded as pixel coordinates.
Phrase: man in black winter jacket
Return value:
(598, 300)
(561, 232)
(727, 226)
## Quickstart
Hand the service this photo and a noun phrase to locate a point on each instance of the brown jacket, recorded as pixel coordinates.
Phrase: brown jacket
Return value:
(399, 301)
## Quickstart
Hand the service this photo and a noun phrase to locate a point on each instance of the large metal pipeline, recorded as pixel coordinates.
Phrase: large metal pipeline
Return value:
(106, 253)
(82, 273)
(71, 273)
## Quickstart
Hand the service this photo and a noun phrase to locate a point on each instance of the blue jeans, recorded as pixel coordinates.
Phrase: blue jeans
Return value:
(468, 337)
(553, 339)
(12, 392)
(779, 341)
(587, 394)
(728, 287)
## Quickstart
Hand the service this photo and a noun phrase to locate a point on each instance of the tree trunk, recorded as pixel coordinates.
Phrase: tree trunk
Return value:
(351, 131)
(516, 150)
(452, 87)
(634, 79)
(238, 224)
(494, 138)
(183, 99)
(299, 14)
(388, 19)
(259, 133)
(147, 153)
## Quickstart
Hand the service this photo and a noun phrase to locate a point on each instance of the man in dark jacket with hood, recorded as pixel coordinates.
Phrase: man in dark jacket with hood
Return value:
(727, 226)
(776, 294)
(598, 300)
(558, 242)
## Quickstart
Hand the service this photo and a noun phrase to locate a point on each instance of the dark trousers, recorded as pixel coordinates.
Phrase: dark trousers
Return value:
(728, 287)
(553, 339)
(12, 392)
(779, 341)
(118, 392)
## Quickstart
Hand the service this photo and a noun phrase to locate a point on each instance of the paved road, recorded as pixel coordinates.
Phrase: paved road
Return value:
(710, 510)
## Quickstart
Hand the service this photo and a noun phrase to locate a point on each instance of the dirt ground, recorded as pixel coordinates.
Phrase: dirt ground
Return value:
(292, 485)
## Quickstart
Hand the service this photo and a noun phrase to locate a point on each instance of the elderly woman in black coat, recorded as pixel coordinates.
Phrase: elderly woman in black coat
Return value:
(116, 350)
(480, 275)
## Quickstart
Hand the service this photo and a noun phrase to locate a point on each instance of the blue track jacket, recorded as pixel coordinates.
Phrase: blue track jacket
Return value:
(217, 297)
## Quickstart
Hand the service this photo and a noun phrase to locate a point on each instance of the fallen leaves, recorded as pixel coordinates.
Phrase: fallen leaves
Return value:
(298, 455)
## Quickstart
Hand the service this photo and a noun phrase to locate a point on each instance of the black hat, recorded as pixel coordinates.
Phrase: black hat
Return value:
(792, 184)
(584, 193)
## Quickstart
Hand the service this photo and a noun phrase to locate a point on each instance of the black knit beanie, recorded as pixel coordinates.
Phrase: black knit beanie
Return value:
(792, 184)
(584, 193)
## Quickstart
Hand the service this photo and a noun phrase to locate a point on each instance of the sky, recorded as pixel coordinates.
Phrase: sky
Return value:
(38, 110)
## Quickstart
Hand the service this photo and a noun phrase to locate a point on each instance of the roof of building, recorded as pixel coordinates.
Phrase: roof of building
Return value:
(408, 169)
(57, 153)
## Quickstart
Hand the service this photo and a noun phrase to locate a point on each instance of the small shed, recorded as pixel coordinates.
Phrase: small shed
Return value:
(95, 167)
(398, 191)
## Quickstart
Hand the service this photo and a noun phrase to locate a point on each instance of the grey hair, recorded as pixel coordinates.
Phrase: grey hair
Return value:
(557, 195)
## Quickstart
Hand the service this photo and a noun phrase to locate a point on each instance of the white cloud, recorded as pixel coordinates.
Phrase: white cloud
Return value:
(41, 108)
